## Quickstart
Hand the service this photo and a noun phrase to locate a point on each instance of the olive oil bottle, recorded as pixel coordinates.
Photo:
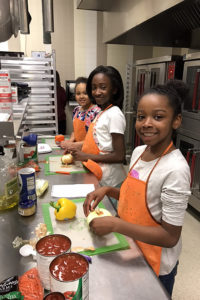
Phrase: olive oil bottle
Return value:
(9, 187)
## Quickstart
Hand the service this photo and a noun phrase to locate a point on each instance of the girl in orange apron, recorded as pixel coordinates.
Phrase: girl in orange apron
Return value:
(83, 115)
(153, 197)
(103, 150)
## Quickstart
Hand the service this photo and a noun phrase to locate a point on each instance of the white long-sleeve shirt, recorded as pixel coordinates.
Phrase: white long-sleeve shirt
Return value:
(168, 192)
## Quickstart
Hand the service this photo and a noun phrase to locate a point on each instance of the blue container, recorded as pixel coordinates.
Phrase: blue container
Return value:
(27, 182)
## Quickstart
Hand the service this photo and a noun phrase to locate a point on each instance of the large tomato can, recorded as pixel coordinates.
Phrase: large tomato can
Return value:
(69, 274)
(47, 248)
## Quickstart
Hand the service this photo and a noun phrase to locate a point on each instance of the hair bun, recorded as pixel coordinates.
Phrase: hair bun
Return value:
(179, 87)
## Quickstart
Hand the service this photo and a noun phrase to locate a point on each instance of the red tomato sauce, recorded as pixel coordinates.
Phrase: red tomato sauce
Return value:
(52, 245)
(68, 267)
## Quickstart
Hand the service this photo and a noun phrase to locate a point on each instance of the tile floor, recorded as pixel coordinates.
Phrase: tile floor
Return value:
(187, 284)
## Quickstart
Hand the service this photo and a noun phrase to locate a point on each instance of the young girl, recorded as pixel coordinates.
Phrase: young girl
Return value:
(82, 116)
(154, 196)
(103, 151)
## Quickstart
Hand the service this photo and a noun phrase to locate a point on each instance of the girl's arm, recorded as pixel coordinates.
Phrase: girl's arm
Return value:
(65, 144)
(165, 235)
(72, 137)
(117, 156)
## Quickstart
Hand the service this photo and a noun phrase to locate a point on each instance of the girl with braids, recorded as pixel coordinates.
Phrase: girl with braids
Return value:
(154, 196)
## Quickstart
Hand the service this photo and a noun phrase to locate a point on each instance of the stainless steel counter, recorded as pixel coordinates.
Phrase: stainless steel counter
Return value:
(118, 275)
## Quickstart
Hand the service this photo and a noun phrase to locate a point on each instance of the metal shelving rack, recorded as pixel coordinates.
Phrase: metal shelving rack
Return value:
(40, 115)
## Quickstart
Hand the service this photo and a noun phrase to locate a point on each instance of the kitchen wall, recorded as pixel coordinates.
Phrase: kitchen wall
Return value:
(63, 39)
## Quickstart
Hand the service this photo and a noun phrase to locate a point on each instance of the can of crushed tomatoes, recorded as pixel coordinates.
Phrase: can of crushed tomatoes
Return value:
(47, 248)
(69, 274)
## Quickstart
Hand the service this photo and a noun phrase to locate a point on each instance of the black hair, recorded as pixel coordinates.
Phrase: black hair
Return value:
(116, 82)
(175, 90)
(80, 80)
(58, 79)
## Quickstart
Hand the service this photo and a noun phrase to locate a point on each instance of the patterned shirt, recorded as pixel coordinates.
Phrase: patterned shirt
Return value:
(86, 115)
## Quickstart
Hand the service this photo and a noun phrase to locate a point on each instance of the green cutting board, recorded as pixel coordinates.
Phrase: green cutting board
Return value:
(80, 234)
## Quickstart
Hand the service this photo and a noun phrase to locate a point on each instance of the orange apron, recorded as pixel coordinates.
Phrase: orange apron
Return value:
(79, 128)
(90, 147)
(133, 208)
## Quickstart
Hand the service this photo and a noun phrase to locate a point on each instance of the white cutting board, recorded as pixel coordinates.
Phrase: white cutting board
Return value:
(55, 165)
(78, 231)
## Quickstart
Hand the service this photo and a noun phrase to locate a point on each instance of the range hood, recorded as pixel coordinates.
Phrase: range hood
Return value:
(98, 5)
(178, 26)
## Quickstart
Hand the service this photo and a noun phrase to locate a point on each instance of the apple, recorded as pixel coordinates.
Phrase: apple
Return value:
(98, 213)
(67, 159)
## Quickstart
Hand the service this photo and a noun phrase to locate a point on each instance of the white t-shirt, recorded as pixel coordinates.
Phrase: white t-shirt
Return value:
(110, 121)
(167, 194)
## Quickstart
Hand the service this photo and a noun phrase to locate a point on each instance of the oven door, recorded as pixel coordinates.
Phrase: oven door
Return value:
(191, 76)
(190, 148)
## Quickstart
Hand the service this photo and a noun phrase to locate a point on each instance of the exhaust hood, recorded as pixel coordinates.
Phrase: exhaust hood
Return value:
(178, 26)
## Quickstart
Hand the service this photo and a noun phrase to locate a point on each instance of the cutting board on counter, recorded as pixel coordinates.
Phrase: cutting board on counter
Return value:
(54, 164)
(78, 231)
(51, 142)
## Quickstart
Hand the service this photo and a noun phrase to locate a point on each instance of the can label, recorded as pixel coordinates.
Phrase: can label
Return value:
(30, 153)
(78, 289)
(27, 184)
(11, 187)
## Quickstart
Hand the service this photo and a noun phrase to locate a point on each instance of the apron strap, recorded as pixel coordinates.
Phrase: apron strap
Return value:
(164, 152)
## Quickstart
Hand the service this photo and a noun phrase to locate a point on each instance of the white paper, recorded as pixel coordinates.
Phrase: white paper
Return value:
(72, 190)
(4, 117)
(44, 148)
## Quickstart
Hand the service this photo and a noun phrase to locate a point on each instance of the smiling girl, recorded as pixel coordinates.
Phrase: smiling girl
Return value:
(154, 196)
(83, 115)
(103, 151)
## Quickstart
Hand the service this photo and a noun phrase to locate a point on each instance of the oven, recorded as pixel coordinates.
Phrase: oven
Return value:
(191, 75)
(158, 70)
(190, 148)
(153, 71)
(188, 137)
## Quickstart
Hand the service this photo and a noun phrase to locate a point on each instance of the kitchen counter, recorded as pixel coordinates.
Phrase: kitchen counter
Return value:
(118, 275)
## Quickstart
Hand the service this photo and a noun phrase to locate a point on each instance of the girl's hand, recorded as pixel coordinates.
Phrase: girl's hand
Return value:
(79, 155)
(66, 144)
(93, 199)
(103, 225)
(75, 146)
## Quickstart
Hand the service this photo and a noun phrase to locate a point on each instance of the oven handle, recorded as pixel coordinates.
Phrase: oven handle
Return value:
(199, 104)
(195, 90)
(192, 168)
(188, 156)
(142, 83)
